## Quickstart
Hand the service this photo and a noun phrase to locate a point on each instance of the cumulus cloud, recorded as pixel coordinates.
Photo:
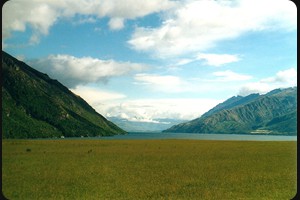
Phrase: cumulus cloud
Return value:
(255, 87)
(40, 15)
(195, 26)
(288, 76)
(73, 71)
(17, 15)
(282, 79)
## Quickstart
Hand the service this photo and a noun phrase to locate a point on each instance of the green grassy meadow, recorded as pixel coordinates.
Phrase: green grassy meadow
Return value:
(148, 169)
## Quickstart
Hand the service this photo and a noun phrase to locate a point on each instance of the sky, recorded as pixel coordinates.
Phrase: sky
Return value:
(154, 59)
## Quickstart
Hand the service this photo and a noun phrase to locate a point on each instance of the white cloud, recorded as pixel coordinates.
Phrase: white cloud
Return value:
(282, 79)
(95, 96)
(40, 15)
(217, 59)
(286, 76)
(73, 71)
(116, 23)
(196, 26)
(84, 20)
(255, 87)
(175, 84)
(17, 15)
(184, 61)
(230, 76)
(165, 83)
(113, 104)
(151, 109)
(210, 59)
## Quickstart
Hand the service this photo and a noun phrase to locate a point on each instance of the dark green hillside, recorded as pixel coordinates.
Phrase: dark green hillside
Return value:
(36, 106)
(272, 113)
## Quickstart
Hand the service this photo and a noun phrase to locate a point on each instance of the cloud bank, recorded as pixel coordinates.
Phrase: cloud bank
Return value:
(282, 79)
(151, 109)
(196, 26)
(114, 104)
(40, 15)
(73, 71)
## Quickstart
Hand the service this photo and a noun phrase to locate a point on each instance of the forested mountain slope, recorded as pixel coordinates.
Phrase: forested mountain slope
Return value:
(36, 106)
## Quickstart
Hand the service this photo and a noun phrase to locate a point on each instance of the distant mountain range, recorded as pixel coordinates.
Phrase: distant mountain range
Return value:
(272, 113)
(138, 126)
(36, 106)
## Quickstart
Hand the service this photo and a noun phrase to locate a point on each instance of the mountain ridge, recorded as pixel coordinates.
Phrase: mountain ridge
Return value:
(230, 103)
(257, 115)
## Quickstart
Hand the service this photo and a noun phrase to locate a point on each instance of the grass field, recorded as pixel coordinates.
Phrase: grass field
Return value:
(148, 169)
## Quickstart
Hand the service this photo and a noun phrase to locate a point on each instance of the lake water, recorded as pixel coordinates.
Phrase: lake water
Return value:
(197, 136)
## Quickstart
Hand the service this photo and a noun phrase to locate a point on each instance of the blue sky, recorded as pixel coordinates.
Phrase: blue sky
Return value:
(143, 60)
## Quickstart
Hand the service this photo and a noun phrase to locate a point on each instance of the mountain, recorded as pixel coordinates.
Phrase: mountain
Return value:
(230, 103)
(138, 126)
(36, 106)
(272, 113)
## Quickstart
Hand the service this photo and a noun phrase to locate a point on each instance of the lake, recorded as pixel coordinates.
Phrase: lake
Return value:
(196, 136)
